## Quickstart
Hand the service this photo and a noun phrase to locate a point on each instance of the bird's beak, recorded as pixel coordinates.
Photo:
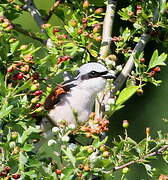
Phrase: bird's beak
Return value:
(109, 76)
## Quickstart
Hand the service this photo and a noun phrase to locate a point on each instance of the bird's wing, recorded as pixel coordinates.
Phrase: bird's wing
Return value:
(56, 95)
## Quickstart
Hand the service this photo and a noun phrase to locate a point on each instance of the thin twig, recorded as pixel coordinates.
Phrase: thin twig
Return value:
(27, 33)
(51, 11)
(159, 151)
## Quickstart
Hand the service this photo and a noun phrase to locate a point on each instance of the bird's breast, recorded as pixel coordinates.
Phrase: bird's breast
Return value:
(74, 108)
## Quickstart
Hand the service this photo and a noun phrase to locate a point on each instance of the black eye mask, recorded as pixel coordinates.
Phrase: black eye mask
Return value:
(93, 74)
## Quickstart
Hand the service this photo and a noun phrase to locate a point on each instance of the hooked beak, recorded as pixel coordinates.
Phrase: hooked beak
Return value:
(108, 76)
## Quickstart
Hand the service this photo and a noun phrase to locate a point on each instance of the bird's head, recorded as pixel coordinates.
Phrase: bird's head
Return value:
(93, 76)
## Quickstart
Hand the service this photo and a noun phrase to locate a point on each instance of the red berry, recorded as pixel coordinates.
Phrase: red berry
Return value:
(20, 76)
(84, 20)
(157, 69)
(80, 31)
(3, 173)
(58, 171)
(142, 60)
(16, 176)
(10, 69)
(152, 73)
(55, 30)
(38, 92)
(60, 60)
(65, 36)
(34, 115)
(139, 7)
(7, 168)
(66, 58)
(37, 105)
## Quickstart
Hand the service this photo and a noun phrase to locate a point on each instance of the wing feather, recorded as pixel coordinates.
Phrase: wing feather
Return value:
(56, 95)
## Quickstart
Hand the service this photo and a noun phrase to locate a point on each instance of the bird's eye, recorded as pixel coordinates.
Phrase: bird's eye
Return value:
(93, 72)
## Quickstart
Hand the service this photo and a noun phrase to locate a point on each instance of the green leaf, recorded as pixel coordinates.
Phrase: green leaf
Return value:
(93, 52)
(26, 134)
(2, 85)
(27, 147)
(125, 94)
(69, 154)
(5, 110)
(13, 46)
(31, 173)
(22, 160)
(157, 60)
(97, 143)
(24, 86)
(67, 172)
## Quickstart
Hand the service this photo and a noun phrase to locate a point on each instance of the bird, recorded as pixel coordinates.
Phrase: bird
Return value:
(72, 101)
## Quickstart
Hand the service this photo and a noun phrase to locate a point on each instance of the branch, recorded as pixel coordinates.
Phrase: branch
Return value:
(27, 33)
(51, 11)
(105, 44)
(30, 6)
(107, 29)
(130, 63)
(159, 151)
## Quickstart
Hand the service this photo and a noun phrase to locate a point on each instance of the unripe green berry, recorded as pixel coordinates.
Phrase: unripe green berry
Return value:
(90, 149)
(125, 170)
(14, 135)
(139, 92)
(35, 100)
(125, 124)
(103, 148)
(34, 87)
(106, 154)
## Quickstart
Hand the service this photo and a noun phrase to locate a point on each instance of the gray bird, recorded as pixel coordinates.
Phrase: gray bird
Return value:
(72, 102)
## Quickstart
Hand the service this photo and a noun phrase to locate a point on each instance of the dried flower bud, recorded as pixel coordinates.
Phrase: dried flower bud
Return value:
(147, 131)
(86, 4)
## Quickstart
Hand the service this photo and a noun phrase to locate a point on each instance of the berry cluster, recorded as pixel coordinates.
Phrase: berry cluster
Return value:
(21, 69)
(154, 71)
(24, 70)
(5, 173)
(86, 27)
(5, 24)
(62, 59)
(95, 126)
